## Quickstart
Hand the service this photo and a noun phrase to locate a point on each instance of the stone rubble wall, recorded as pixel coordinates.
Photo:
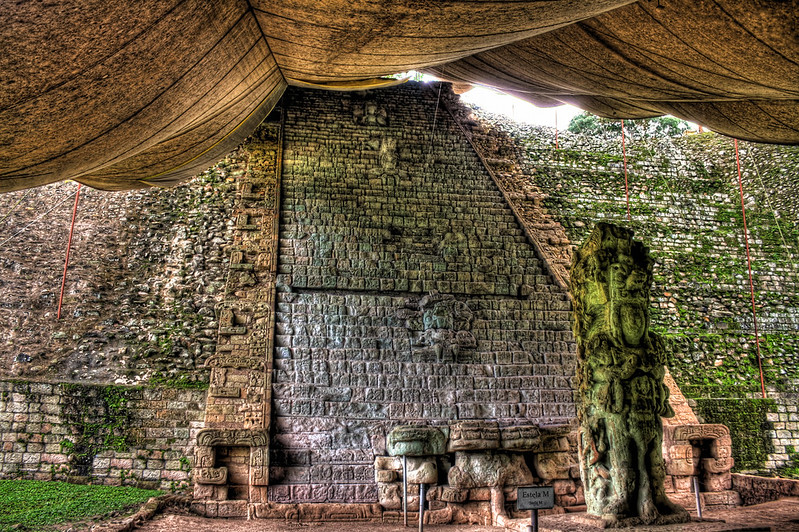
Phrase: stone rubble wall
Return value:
(757, 490)
(147, 269)
(111, 435)
(685, 205)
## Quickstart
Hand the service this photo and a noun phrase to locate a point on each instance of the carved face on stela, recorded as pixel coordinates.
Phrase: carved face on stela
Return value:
(629, 300)
(627, 281)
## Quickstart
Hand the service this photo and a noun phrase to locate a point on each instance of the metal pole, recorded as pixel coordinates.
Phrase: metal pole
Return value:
(421, 507)
(405, 490)
(698, 498)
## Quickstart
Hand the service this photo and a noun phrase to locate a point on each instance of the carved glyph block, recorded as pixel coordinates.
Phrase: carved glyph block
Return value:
(681, 460)
(210, 475)
(520, 438)
(473, 436)
(259, 466)
(413, 440)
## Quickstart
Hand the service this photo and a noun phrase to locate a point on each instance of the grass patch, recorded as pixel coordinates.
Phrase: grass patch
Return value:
(38, 504)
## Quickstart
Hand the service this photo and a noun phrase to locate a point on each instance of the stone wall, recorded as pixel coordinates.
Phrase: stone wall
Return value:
(146, 271)
(757, 490)
(408, 293)
(114, 435)
(685, 205)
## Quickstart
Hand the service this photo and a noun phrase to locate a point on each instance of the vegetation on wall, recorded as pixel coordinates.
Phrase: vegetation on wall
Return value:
(749, 428)
(99, 420)
(685, 204)
(687, 209)
(791, 469)
(147, 269)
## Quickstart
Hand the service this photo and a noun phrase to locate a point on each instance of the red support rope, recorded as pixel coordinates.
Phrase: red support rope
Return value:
(69, 245)
(626, 185)
(751, 283)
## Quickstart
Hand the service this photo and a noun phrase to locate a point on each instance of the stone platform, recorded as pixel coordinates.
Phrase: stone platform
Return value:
(778, 516)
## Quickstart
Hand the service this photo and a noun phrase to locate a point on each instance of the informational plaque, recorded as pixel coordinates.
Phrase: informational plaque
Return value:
(535, 498)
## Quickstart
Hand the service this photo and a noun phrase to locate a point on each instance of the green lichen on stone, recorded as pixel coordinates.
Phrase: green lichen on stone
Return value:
(791, 469)
(99, 419)
(749, 427)
(414, 440)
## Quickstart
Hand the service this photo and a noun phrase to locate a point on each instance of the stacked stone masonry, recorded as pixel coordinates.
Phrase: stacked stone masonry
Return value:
(231, 456)
(146, 272)
(89, 433)
(408, 293)
(398, 289)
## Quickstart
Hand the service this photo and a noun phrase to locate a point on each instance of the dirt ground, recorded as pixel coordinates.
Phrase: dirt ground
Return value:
(778, 516)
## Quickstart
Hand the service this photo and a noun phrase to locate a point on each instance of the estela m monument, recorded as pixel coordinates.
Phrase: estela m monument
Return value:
(620, 381)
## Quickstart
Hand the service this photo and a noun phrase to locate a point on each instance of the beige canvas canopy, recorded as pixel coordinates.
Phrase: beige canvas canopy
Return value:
(122, 95)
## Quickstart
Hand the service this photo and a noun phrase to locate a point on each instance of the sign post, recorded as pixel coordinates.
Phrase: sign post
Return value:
(405, 490)
(535, 498)
(421, 507)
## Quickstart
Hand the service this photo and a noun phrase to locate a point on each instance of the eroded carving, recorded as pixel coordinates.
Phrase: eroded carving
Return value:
(203, 456)
(414, 440)
(228, 325)
(622, 393)
(488, 469)
(369, 114)
(520, 438)
(699, 432)
(441, 327)
(684, 444)
(210, 475)
(259, 466)
(473, 436)
(237, 362)
(232, 437)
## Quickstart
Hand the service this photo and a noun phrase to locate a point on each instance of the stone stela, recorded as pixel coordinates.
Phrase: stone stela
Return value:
(621, 383)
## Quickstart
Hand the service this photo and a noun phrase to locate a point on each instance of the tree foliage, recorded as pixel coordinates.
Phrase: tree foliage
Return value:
(661, 126)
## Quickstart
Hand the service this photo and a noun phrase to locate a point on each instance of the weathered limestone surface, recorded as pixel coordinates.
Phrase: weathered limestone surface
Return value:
(146, 272)
(407, 293)
(232, 454)
(622, 393)
(111, 435)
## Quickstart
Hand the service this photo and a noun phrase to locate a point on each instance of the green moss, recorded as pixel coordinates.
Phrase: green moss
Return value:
(686, 205)
(749, 427)
(38, 505)
(181, 381)
(791, 469)
(99, 420)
